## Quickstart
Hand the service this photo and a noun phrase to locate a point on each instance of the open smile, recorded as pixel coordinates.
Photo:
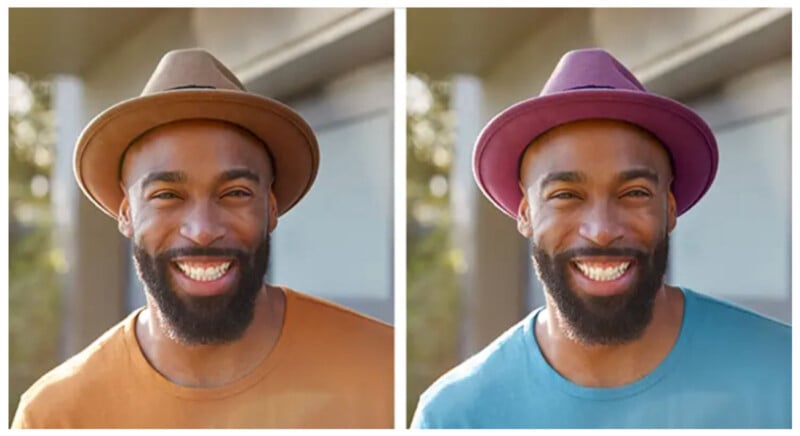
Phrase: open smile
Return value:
(603, 276)
(204, 276)
(204, 272)
(602, 271)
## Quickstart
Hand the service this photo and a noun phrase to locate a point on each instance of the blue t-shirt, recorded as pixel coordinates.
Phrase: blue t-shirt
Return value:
(730, 368)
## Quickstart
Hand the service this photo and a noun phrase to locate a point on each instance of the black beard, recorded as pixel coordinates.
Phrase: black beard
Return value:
(204, 320)
(611, 320)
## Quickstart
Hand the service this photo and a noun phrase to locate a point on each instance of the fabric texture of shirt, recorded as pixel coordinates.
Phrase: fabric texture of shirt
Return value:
(330, 368)
(729, 368)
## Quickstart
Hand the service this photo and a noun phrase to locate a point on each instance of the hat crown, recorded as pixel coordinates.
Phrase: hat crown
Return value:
(588, 69)
(191, 68)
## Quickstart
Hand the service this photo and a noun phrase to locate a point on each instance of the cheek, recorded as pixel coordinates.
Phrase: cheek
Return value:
(550, 228)
(649, 225)
(151, 227)
(250, 222)
(640, 217)
(250, 225)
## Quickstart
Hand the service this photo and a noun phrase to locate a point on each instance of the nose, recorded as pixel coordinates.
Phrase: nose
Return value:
(601, 225)
(202, 225)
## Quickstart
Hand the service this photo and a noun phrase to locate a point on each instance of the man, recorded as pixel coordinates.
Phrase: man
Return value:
(197, 171)
(596, 171)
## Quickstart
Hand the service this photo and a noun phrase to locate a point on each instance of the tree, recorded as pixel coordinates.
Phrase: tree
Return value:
(433, 294)
(34, 263)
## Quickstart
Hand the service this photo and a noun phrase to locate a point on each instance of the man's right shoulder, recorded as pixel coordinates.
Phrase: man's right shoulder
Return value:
(463, 392)
(47, 403)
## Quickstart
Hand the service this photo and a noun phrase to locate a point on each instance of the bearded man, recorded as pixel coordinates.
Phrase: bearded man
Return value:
(196, 171)
(595, 171)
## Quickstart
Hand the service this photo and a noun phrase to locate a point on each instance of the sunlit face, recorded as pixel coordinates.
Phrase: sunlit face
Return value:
(199, 210)
(598, 210)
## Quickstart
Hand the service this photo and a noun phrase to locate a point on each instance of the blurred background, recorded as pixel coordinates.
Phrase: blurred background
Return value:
(469, 272)
(71, 274)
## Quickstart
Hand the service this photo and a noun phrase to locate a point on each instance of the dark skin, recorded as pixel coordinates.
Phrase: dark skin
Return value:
(221, 198)
(600, 183)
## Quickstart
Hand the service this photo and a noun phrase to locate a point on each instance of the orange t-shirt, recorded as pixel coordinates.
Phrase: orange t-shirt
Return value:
(331, 368)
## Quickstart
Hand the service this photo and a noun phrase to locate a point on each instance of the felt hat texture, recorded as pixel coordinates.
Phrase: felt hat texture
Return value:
(192, 84)
(592, 84)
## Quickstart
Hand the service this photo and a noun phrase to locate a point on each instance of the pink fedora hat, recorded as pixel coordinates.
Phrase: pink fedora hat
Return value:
(592, 84)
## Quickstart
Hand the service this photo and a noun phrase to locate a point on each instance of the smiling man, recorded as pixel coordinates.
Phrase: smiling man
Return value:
(595, 171)
(196, 171)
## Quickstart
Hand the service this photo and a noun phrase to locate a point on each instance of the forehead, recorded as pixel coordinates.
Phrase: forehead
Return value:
(595, 147)
(198, 147)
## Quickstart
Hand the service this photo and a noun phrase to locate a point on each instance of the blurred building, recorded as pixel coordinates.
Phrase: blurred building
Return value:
(334, 66)
(733, 66)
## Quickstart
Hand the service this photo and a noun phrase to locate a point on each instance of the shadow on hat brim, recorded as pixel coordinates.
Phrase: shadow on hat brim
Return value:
(686, 136)
(288, 137)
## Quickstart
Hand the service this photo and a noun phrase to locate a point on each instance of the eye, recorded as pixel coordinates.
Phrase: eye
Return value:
(640, 193)
(164, 195)
(237, 193)
(563, 195)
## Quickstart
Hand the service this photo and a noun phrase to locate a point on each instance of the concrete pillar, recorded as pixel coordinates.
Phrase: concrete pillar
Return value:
(494, 277)
(93, 277)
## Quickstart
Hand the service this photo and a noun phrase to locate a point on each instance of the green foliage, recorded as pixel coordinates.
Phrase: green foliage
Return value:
(433, 297)
(33, 291)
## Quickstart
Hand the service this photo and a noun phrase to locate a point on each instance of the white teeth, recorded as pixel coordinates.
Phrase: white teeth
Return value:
(204, 274)
(603, 274)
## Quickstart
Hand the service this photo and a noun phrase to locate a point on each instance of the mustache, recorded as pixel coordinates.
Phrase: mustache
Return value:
(202, 251)
(601, 251)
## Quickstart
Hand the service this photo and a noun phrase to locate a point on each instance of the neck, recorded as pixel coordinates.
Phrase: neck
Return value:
(208, 366)
(611, 365)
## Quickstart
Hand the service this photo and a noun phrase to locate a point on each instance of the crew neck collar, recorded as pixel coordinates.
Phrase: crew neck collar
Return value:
(556, 380)
(150, 376)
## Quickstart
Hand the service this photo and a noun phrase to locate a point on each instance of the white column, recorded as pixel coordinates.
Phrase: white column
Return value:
(67, 102)
(494, 279)
(93, 282)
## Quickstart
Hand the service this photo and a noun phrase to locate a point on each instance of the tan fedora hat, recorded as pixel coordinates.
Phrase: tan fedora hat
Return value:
(193, 84)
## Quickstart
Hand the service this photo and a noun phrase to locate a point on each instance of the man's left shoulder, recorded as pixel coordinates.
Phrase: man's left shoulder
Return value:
(742, 326)
(357, 350)
(340, 324)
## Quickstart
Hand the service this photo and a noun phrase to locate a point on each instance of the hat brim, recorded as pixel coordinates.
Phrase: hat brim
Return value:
(686, 136)
(291, 143)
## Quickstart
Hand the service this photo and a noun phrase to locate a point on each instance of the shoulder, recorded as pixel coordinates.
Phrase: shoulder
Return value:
(737, 324)
(325, 327)
(343, 351)
(738, 342)
(336, 320)
(744, 353)
(48, 402)
(475, 384)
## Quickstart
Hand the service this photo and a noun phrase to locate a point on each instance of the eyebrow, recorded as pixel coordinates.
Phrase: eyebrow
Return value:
(579, 177)
(164, 176)
(180, 177)
(638, 173)
(239, 173)
(561, 176)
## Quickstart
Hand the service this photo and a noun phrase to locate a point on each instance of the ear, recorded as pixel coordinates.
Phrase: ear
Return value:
(124, 222)
(273, 212)
(524, 217)
(672, 212)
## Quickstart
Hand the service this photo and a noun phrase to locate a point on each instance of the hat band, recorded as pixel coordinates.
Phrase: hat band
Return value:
(590, 87)
(191, 87)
